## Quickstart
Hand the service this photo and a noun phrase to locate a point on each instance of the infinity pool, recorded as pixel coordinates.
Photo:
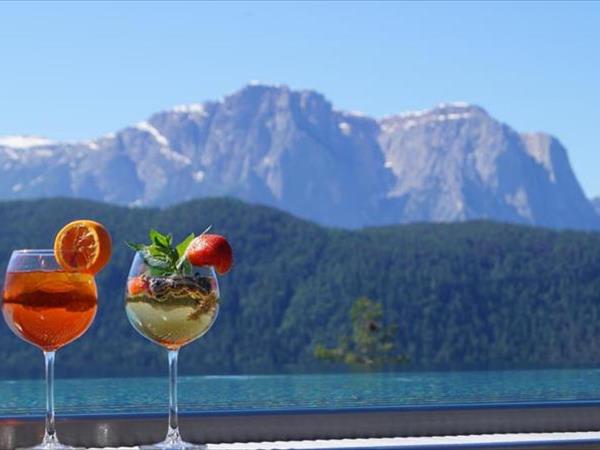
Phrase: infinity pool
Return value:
(220, 393)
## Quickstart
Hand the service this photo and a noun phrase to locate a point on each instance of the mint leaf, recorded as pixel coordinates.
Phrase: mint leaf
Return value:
(186, 267)
(155, 259)
(161, 257)
(158, 272)
(183, 245)
(155, 236)
(182, 256)
(161, 240)
(136, 247)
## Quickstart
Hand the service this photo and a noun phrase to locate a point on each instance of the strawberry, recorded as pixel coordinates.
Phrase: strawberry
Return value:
(211, 250)
(137, 285)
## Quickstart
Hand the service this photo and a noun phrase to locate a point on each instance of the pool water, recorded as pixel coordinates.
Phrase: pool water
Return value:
(265, 392)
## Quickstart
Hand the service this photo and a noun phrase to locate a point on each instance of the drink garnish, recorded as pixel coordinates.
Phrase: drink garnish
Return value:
(211, 250)
(162, 257)
(165, 259)
(169, 276)
(83, 246)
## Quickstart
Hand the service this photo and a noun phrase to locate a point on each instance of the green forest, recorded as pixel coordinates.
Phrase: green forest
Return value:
(459, 296)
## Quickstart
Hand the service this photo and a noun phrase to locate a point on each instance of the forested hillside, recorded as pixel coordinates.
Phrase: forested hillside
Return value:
(465, 295)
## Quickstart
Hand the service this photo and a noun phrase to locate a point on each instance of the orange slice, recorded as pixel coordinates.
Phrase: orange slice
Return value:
(83, 246)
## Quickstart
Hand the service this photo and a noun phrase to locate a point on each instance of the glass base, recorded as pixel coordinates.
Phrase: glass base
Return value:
(173, 441)
(173, 445)
(50, 443)
(51, 446)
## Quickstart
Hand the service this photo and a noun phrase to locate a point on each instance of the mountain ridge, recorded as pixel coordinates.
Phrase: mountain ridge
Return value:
(293, 150)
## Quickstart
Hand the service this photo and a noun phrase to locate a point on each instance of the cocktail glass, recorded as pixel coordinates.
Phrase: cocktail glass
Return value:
(171, 311)
(49, 308)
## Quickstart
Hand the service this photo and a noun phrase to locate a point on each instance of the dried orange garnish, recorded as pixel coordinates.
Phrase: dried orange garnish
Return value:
(83, 246)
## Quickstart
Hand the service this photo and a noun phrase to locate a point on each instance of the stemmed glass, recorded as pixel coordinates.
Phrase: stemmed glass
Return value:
(49, 308)
(171, 311)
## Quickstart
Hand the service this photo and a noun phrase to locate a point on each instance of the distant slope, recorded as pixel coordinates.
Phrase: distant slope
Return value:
(596, 204)
(292, 150)
(464, 295)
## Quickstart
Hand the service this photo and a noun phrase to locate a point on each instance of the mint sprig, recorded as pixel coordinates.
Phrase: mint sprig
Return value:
(162, 257)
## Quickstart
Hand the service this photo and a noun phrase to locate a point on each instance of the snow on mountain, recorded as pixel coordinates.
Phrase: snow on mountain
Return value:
(24, 141)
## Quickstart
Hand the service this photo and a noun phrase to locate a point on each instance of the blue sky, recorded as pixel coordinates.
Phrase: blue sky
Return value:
(78, 70)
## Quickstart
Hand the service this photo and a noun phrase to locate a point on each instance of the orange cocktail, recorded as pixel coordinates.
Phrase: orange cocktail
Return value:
(49, 309)
(50, 298)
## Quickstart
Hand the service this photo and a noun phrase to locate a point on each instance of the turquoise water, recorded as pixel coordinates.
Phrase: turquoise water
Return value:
(230, 393)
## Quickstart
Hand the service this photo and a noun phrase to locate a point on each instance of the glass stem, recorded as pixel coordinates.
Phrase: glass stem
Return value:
(173, 433)
(50, 433)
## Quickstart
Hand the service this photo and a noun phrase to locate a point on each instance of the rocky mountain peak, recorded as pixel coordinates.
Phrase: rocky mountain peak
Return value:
(442, 114)
(547, 151)
(291, 149)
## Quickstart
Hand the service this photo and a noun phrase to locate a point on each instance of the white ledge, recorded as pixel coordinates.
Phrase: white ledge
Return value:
(519, 440)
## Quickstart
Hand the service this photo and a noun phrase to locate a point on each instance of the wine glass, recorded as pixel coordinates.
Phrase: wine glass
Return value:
(49, 308)
(171, 311)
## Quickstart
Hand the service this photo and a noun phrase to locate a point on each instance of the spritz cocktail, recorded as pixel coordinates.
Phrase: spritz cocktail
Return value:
(48, 308)
(172, 298)
(50, 298)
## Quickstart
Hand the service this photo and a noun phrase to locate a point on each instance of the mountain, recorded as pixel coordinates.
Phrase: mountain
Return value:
(596, 204)
(464, 295)
(455, 162)
(294, 151)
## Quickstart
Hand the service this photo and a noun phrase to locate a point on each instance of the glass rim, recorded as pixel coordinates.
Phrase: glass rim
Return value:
(40, 251)
(34, 251)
